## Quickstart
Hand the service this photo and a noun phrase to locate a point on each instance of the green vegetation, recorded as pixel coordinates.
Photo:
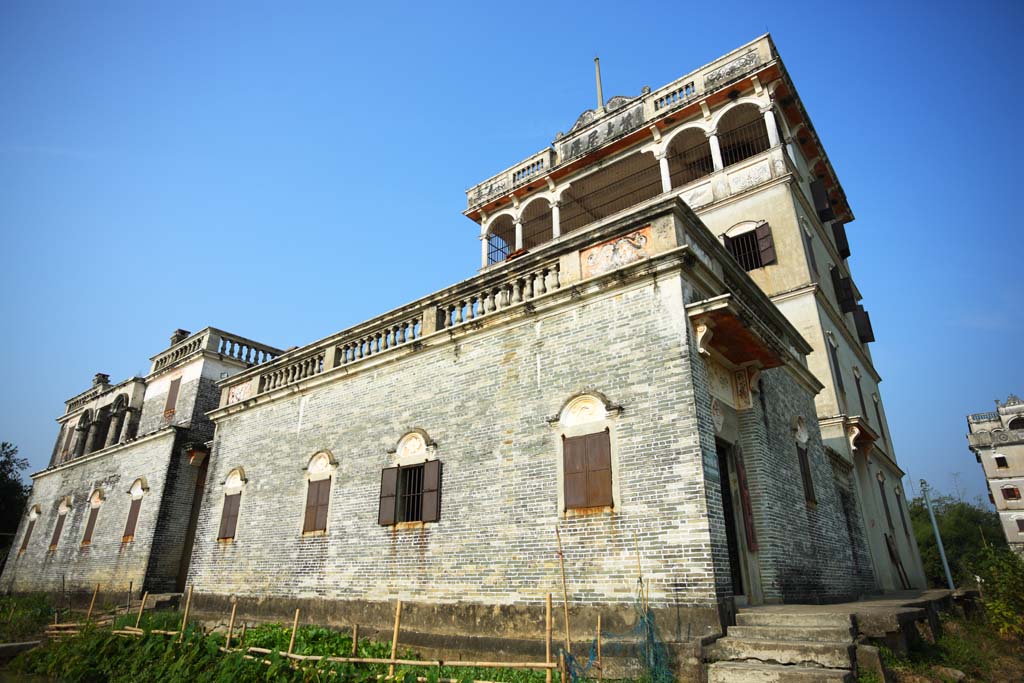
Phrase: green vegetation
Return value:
(23, 617)
(99, 655)
(1002, 590)
(13, 496)
(966, 528)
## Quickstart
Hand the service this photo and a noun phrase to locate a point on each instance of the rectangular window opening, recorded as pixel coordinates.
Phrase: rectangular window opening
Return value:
(1001, 462)
(318, 498)
(229, 517)
(90, 525)
(133, 519)
(587, 471)
(28, 535)
(805, 474)
(410, 493)
(1011, 493)
(172, 397)
(56, 532)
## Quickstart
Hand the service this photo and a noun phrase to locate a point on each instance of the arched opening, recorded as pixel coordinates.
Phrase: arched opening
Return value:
(119, 415)
(536, 220)
(81, 434)
(742, 134)
(99, 438)
(501, 239)
(1016, 423)
(618, 186)
(689, 157)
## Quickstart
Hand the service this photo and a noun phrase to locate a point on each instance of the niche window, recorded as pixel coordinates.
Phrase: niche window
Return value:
(1020, 525)
(1010, 493)
(411, 491)
(95, 500)
(751, 244)
(1001, 463)
(172, 398)
(62, 513)
(587, 458)
(318, 494)
(232, 498)
(33, 515)
(802, 439)
(137, 491)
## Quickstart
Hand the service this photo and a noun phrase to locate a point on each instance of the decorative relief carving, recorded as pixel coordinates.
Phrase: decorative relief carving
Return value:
(412, 446)
(616, 253)
(612, 126)
(583, 409)
(749, 177)
(732, 69)
(720, 383)
(698, 196)
(741, 389)
(488, 189)
(717, 415)
(239, 392)
(704, 334)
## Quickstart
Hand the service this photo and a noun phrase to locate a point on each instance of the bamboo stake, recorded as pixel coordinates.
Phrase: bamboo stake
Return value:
(128, 609)
(561, 664)
(355, 639)
(565, 592)
(394, 637)
(547, 638)
(639, 571)
(92, 602)
(600, 668)
(138, 620)
(241, 638)
(231, 623)
(184, 618)
(295, 627)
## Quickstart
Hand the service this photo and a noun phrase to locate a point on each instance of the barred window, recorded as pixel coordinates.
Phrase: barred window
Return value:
(410, 493)
(754, 248)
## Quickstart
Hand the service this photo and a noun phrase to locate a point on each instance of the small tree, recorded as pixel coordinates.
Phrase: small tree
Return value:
(13, 495)
(965, 527)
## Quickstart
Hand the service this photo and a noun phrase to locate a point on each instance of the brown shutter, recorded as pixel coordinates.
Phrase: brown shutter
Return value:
(28, 534)
(765, 243)
(431, 503)
(172, 397)
(805, 474)
(388, 496)
(842, 244)
(821, 201)
(67, 443)
(599, 469)
(90, 525)
(863, 323)
(834, 354)
(56, 531)
(229, 516)
(133, 518)
(312, 502)
(745, 505)
(574, 456)
(323, 501)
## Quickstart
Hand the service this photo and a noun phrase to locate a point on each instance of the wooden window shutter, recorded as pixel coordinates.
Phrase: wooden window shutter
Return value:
(821, 201)
(844, 291)
(317, 499)
(842, 244)
(862, 321)
(133, 518)
(765, 243)
(56, 531)
(229, 516)
(172, 397)
(90, 525)
(745, 505)
(574, 456)
(388, 496)
(805, 474)
(834, 354)
(28, 534)
(885, 504)
(431, 502)
(809, 246)
(599, 469)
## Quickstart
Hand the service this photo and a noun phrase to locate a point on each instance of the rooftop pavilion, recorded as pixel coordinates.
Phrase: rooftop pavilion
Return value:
(710, 135)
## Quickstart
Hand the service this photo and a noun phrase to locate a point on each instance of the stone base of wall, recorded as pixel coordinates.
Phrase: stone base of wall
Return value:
(470, 631)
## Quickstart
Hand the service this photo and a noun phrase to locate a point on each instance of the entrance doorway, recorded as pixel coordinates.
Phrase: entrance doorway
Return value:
(741, 560)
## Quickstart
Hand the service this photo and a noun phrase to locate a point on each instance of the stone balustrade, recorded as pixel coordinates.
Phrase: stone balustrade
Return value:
(519, 288)
(391, 336)
(184, 348)
(83, 399)
(243, 350)
(305, 366)
(991, 416)
(212, 340)
(673, 94)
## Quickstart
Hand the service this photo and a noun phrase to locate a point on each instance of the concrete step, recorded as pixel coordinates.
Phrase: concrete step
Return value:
(757, 617)
(802, 652)
(757, 672)
(818, 634)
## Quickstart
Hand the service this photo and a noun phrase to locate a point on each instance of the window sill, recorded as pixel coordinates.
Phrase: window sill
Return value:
(127, 539)
(314, 532)
(404, 526)
(226, 541)
(588, 512)
(85, 544)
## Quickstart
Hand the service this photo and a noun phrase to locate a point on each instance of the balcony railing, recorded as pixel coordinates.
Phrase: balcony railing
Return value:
(991, 416)
(215, 341)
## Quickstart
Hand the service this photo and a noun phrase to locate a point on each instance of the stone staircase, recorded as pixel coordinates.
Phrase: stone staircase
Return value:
(783, 647)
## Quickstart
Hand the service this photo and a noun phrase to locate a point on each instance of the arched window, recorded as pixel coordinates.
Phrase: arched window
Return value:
(751, 244)
(137, 491)
(537, 224)
(501, 239)
(81, 434)
(742, 134)
(33, 515)
(410, 491)
(587, 454)
(689, 157)
(233, 485)
(1010, 492)
(318, 493)
(1016, 423)
(802, 438)
(95, 501)
(62, 513)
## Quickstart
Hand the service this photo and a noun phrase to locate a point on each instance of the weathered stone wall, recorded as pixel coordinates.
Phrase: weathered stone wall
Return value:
(486, 399)
(106, 560)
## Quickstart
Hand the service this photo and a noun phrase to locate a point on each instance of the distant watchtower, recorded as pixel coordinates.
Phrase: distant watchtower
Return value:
(997, 440)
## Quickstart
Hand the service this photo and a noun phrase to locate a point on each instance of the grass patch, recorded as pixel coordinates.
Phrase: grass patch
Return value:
(23, 617)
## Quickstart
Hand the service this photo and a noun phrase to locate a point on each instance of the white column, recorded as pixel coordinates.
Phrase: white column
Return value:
(483, 251)
(556, 220)
(666, 174)
(519, 235)
(716, 151)
(772, 126)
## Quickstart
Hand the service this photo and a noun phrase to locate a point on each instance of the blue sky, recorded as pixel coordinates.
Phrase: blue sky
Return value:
(285, 171)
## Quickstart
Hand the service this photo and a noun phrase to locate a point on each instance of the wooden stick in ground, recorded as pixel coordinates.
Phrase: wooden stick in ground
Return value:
(241, 638)
(561, 664)
(92, 602)
(565, 592)
(600, 668)
(355, 640)
(547, 638)
(184, 618)
(138, 619)
(394, 637)
(231, 624)
(295, 627)
(128, 609)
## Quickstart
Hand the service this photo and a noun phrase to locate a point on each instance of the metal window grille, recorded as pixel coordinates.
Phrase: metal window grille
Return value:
(744, 249)
(410, 494)
(743, 142)
(614, 194)
(497, 249)
(691, 164)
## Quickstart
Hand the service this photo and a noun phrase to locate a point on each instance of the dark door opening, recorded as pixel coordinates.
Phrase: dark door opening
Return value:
(735, 573)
